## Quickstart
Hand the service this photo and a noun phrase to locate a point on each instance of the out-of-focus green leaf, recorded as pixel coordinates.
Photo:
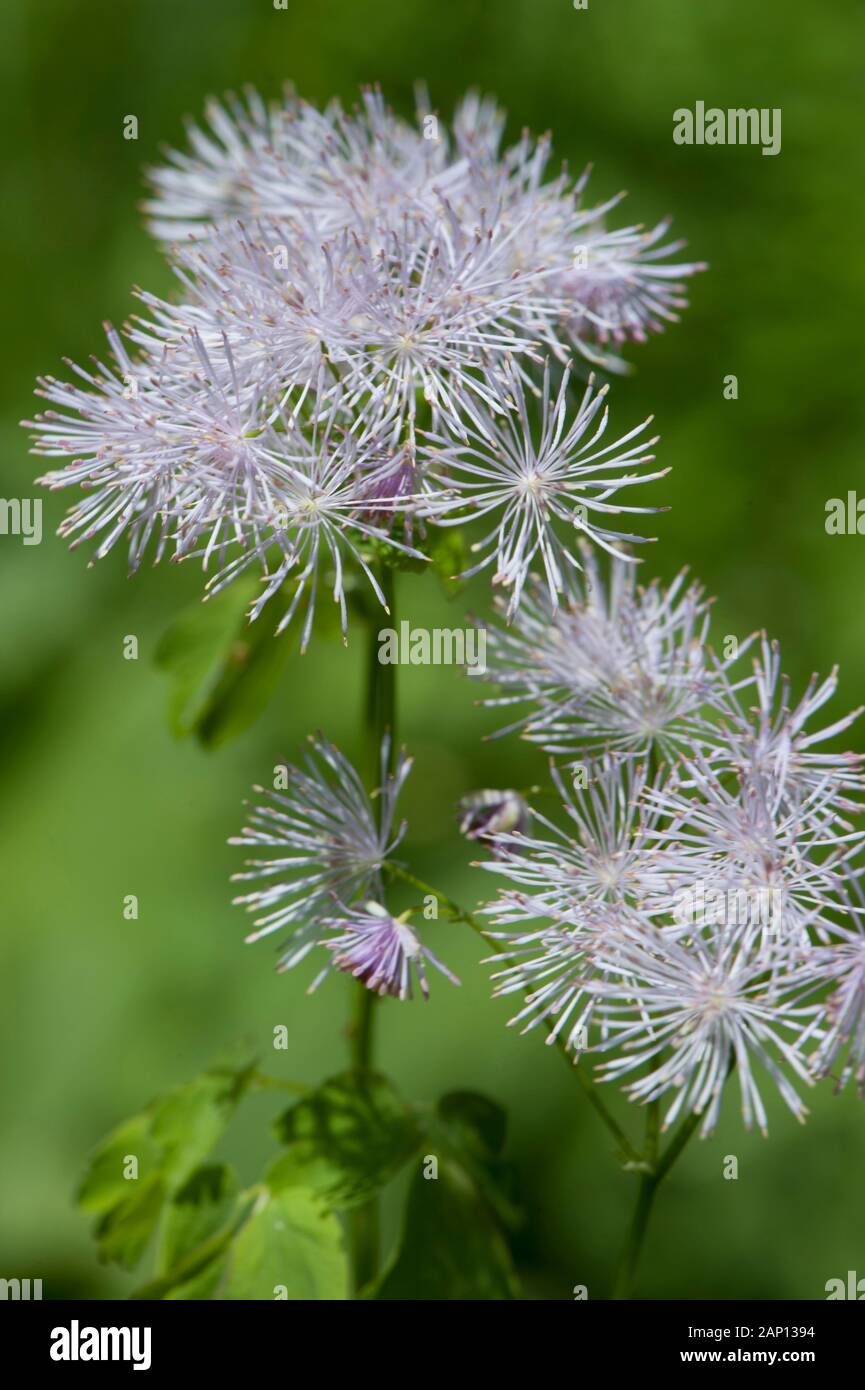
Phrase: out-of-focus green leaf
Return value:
(224, 669)
(150, 1157)
(481, 1123)
(345, 1140)
(199, 1209)
(124, 1232)
(188, 1121)
(452, 1246)
(198, 1227)
(473, 1128)
(105, 1184)
(291, 1247)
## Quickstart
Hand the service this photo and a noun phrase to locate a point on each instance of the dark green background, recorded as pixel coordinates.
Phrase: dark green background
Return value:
(98, 1013)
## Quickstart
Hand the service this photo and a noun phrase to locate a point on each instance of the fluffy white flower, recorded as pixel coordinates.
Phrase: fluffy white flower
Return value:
(620, 665)
(538, 483)
(686, 1015)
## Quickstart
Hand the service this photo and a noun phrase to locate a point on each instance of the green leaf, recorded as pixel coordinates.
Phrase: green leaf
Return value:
(199, 1225)
(190, 1119)
(224, 669)
(345, 1140)
(202, 1287)
(452, 1244)
(480, 1123)
(291, 1247)
(199, 1272)
(473, 1128)
(202, 1207)
(104, 1184)
(167, 1141)
(124, 1232)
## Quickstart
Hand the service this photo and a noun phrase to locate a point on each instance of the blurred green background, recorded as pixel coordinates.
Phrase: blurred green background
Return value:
(99, 1013)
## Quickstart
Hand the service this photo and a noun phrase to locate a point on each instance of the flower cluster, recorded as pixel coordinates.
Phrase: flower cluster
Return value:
(363, 344)
(697, 911)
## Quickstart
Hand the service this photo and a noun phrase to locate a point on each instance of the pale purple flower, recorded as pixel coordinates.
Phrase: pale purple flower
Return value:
(284, 301)
(772, 735)
(553, 964)
(842, 966)
(618, 666)
(604, 853)
(621, 289)
(538, 485)
(569, 888)
(347, 279)
(325, 837)
(195, 459)
(682, 1015)
(379, 950)
(366, 171)
(288, 160)
(329, 488)
(700, 924)
(747, 864)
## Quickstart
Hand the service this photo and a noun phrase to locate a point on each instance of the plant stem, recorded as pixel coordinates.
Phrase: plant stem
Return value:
(655, 1170)
(363, 1224)
(380, 687)
(380, 719)
(626, 1274)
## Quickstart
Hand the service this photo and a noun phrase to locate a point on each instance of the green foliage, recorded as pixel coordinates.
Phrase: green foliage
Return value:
(283, 1237)
(452, 1247)
(197, 1228)
(474, 1128)
(166, 1142)
(453, 1243)
(291, 1247)
(224, 669)
(345, 1140)
(444, 547)
(125, 1231)
(200, 1210)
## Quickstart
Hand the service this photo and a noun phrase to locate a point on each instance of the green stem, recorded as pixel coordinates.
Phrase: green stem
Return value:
(677, 1144)
(627, 1271)
(364, 1238)
(655, 1169)
(363, 1224)
(380, 686)
(459, 914)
